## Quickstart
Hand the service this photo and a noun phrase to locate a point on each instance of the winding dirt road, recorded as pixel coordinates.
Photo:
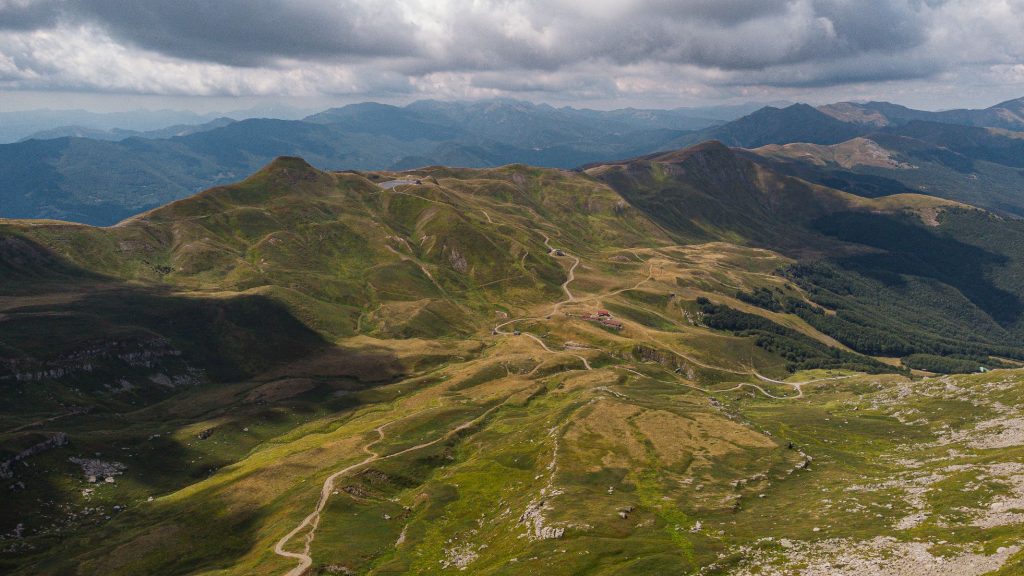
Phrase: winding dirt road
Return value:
(710, 391)
(570, 298)
(554, 308)
(572, 275)
(312, 521)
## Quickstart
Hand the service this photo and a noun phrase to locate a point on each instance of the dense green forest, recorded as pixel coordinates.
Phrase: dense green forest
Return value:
(944, 299)
(800, 351)
(958, 364)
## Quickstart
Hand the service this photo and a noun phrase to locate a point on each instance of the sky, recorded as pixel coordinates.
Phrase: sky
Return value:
(206, 55)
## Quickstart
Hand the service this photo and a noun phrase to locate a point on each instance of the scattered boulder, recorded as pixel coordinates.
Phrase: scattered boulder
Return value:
(93, 469)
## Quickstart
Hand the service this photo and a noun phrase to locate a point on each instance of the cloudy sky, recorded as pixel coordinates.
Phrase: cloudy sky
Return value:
(205, 54)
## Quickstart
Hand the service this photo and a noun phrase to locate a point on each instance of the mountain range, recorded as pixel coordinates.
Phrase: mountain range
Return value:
(743, 354)
(106, 177)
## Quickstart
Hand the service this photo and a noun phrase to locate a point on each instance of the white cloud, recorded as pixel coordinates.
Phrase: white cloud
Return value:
(571, 50)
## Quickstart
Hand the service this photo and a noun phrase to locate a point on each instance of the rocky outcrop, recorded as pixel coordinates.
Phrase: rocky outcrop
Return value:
(55, 441)
(147, 353)
(533, 517)
(94, 469)
(457, 260)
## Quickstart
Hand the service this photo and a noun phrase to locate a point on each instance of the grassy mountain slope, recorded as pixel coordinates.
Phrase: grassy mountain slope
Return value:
(918, 251)
(710, 192)
(978, 166)
(424, 355)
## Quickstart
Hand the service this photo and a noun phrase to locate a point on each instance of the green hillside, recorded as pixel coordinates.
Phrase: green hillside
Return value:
(978, 166)
(684, 363)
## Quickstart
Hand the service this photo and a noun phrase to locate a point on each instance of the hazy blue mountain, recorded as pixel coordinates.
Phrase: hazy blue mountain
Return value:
(769, 125)
(116, 134)
(101, 177)
(15, 126)
(1008, 115)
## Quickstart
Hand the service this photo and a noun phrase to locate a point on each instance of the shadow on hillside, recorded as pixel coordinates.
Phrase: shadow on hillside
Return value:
(910, 249)
(866, 185)
(147, 360)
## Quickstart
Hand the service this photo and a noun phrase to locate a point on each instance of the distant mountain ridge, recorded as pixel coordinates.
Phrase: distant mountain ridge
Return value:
(1008, 115)
(101, 181)
(769, 125)
(117, 134)
(981, 166)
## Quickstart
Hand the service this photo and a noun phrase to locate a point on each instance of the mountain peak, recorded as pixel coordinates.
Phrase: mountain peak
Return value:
(289, 169)
(289, 163)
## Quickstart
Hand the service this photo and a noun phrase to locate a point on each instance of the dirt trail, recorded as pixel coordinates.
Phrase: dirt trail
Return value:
(45, 420)
(570, 298)
(572, 275)
(554, 309)
(798, 386)
(312, 521)
(710, 391)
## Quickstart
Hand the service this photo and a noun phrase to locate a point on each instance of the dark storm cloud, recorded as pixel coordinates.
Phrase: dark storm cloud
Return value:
(593, 46)
(873, 25)
(28, 14)
(863, 69)
(726, 34)
(725, 12)
(251, 32)
(723, 34)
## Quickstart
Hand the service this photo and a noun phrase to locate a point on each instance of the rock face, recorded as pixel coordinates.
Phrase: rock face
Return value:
(56, 441)
(458, 261)
(140, 353)
(649, 354)
(534, 517)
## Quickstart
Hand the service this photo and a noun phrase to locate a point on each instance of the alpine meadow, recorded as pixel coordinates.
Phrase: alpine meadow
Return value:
(512, 288)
